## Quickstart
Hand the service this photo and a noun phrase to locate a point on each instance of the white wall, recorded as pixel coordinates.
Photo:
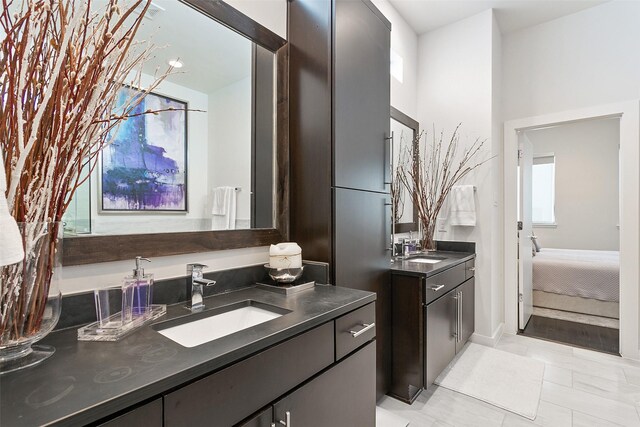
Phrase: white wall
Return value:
(585, 59)
(586, 176)
(272, 14)
(585, 62)
(230, 134)
(404, 42)
(458, 82)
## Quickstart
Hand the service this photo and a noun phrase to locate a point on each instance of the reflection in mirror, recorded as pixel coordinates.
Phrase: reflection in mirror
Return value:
(210, 167)
(405, 132)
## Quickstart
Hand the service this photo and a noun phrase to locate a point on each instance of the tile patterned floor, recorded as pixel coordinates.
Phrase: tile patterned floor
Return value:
(581, 388)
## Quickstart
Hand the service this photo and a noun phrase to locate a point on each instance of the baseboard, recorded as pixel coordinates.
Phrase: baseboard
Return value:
(489, 341)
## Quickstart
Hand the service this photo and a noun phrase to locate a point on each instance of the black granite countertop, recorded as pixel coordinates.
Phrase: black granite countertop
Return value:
(451, 259)
(86, 381)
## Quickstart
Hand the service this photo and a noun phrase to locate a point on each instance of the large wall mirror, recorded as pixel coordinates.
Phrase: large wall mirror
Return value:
(211, 173)
(405, 133)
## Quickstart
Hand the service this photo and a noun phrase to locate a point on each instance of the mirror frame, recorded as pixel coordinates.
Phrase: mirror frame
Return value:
(399, 116)
(95, 249)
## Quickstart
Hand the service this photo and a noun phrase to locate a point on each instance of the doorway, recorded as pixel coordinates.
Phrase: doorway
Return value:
(628, 114)
(569, 243)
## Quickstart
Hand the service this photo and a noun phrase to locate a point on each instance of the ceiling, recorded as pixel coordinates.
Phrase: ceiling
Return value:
(213, 55)
(512, 15)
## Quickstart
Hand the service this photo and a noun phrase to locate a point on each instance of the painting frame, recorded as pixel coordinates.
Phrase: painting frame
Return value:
(177, 141)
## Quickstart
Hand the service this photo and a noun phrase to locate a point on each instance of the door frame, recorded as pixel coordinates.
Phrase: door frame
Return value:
(629, 201)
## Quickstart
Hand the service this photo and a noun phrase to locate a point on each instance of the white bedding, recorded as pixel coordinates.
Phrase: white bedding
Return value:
(587, 274)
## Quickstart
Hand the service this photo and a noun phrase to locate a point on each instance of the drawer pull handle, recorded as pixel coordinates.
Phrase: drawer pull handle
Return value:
(471, 269)
(436, 288)
(287, 419)
(367, 326)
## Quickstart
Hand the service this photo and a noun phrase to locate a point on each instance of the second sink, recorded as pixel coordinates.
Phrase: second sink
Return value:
(191, 331)
(426, 260)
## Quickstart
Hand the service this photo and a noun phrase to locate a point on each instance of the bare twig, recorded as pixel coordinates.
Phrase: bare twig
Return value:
(62, 64)
(430, 175)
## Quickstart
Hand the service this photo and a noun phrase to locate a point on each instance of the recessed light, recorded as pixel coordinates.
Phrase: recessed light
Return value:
(175, 63)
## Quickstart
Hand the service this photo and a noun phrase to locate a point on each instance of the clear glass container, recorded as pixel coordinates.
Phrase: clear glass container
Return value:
(30, 299)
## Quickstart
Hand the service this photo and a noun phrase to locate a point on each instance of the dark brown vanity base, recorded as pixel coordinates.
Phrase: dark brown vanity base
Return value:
(432, 319)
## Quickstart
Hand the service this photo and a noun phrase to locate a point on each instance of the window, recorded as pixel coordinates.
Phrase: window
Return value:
(543, 190)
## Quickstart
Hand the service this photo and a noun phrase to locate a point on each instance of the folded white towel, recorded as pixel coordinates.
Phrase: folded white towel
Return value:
(463, 206)
(224, 208)
(221, 200)
(287, 248)
(285, 255)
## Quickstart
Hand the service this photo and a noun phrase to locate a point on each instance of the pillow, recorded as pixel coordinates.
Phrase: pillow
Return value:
(536, 245)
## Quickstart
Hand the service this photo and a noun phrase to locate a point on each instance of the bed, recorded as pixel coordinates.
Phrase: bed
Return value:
(581, 281)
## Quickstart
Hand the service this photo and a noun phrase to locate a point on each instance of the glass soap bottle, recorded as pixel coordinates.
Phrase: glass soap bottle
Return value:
(142, 286)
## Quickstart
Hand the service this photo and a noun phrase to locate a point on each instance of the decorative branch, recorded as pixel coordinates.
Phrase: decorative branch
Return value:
(430, 175)
(62, 64)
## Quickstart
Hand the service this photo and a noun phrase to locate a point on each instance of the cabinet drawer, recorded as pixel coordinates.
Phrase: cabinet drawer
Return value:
(149, 415)
(232, 394)
(352, 324)
(438, 285)
(470, 268)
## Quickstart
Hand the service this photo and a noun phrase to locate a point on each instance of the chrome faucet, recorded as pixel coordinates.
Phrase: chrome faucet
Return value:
(195, 283)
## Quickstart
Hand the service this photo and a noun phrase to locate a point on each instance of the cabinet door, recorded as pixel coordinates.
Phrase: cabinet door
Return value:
(407, 337)
(467, 326)
(441, 340)
(261, 419)
(343, 396)
(362, 234)
(149, 415)
(361, 97)
(232, 394)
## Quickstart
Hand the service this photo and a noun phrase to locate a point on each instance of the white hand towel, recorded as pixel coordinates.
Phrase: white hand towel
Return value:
(11, 250)
(463, 206)
(224, 208)
(220, 200)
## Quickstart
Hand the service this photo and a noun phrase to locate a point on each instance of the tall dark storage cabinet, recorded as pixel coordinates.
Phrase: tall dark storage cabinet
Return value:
(339, 125)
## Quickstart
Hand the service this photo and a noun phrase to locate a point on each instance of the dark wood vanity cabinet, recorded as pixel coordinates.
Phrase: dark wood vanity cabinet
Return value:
(320, 377)
(338, 129)
(342, 396)
(432, 319)
(361, 97)
(149, 415)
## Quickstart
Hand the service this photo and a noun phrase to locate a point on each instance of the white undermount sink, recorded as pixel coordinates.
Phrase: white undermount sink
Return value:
(426, 260)
(217, 323)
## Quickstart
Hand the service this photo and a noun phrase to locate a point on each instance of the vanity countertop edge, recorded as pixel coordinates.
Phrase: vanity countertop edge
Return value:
(451, 259)
(84, 382)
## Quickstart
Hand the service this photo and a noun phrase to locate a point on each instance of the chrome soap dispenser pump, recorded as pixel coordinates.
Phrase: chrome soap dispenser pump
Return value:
(142, 286)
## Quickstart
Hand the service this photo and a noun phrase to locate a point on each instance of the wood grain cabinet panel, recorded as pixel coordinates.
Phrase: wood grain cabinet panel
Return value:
(343, 396)
(428, 326)
(148, 415)
(441, 283)
(361, 98)
(232, 394)
(358, 321)
(262, 419)
(407, 338)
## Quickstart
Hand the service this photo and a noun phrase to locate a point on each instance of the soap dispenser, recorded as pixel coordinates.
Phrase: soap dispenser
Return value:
(141, 285)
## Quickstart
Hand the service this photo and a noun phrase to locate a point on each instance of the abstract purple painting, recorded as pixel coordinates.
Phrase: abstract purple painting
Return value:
(145, 167)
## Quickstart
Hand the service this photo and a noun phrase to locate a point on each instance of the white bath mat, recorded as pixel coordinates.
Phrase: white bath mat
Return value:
(386, 418)
(506, 380)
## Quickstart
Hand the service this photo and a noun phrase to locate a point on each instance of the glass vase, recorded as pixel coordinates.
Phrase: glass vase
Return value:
(30, 297)
(428, 235)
